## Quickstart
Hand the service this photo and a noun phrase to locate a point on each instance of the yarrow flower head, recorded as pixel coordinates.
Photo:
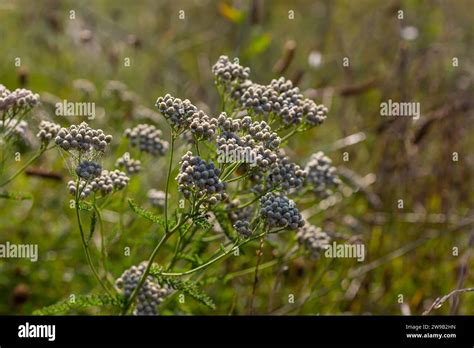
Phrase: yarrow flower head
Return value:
(313, 239)
(18, 130)
(242, 227)
(279, 211)
(254, 142)
(240, 217)
(202, 126)
(321, 175)
(148, 139)
(201, 178)
(106, 183)
(179, 113)
(227, 72)
(130, 165)
(88, 170)
(261, 132)
(285, 174)
(156, 198)
(150, 295)
(236, 213)
(47, 131)
(279, 98)
(83, 139)
(19, 99)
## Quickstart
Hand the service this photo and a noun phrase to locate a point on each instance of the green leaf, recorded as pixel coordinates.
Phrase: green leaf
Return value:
(202, 222)
(145, 213)
(15, 196)
(84, 206)
(188, 287)
(81, 301)
(92, 226)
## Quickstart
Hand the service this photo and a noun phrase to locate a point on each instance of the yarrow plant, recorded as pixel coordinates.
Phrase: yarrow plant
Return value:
(228, 178)
(14, 108)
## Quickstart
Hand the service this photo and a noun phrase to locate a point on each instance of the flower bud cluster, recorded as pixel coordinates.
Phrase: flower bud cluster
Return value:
(321, 174)
(313, 239)
(150, 295)
(47, 131)
(279, 211)
(130, 165)
(148, 139)
(82, 139)
(201, 177)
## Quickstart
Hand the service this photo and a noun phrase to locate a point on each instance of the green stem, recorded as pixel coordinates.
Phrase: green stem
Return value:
(289, 135)
(168, 182)
(146, 272)
(84, 243)
(239, 177)
(31, 160)
(103, 251)
(210, 262)
(150, 262)
(196, 142)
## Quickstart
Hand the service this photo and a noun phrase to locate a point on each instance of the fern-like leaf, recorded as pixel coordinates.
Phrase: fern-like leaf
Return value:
(81, 301)
(202, 222)
(15, 196)
(187, 287)
(145, 213)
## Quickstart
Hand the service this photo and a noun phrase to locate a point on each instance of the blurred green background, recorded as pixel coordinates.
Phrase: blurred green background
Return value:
(426, 57)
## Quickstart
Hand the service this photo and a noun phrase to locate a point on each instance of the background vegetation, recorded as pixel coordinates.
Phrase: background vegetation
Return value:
(409, 250)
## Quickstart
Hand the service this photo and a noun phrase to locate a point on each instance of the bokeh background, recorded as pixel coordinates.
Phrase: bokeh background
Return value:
(426, 57)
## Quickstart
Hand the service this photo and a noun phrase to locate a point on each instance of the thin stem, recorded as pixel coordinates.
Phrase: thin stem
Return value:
(255, 279)
(123, 206)
(178, 247)
(31, 160)
(150, 262)
(239, 177)
(84, 243)
(210, 262)
(168, 182)
(289, 135)
(230, 170)
(103, 251)
(146, 272)
(196, 142)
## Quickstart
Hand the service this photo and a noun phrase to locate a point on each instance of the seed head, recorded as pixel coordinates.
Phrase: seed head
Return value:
(313, 239)
(321, 175)
(201, 177)
(202, 126)
(131, 166)
(47, 131)
(150, 295)
(148, 139)
(88, 170)
(156, 198)
(242, 227)
(179, 113)
(19, 99)
(82, 139)
(227, 72)
(279, 211)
